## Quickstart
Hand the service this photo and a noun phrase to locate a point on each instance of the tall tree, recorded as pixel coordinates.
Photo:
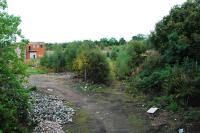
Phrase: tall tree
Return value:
(178, 35)
(13, 98)
(122, 41)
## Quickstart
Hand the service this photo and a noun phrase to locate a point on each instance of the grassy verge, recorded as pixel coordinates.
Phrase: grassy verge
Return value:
(36, 70)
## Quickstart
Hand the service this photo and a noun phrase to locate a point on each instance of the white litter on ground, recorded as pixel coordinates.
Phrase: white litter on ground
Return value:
(152, 110)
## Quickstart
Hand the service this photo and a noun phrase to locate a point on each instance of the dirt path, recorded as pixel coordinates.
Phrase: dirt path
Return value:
(108, 113)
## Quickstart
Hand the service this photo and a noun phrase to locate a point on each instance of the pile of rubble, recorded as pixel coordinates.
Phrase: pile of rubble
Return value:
(50, 112)
(48, 127)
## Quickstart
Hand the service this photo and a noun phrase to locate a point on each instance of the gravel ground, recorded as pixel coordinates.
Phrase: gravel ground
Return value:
(50, 112)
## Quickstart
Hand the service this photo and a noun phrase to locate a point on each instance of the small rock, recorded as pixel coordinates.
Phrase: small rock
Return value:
(50, 89)
(70, 120)
(181, 131)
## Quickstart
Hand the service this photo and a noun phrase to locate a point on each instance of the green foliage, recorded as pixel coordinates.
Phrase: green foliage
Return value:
(177, 35)
(192, 115)
(139, 37)
(54, 61)
(154, 82)
(13, 98)
(173, 106)
(102, 43)
(122, 64)
(93, 65)
(34, 88)
(14, 110)
(165, 101)
(36, 70)
(122, 41)
(129, 57)
(169, 74)
(181, 81)
(70, 54)
(114, 52)
(153, 60)
(85, 59)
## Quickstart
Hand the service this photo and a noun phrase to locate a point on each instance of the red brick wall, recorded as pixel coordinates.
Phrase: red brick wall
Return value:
(38, 48)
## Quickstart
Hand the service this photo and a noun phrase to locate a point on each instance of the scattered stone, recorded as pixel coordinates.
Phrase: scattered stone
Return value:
(50, 112)
(48, 127)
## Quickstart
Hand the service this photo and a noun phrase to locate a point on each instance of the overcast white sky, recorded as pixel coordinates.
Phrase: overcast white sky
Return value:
(68, 20)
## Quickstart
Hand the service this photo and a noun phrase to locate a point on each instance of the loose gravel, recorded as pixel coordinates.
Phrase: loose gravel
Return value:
(50, 112)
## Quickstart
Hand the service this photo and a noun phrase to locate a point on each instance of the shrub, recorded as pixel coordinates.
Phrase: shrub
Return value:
(155, 82)
(170, 76)
(114, 52)
(192, 115)
(70, 54)
(93, 65)
(153, 60)
(14, 116)
(14, 113)
(184, 83)
(55, 60)
(129, 57)
(122, 64)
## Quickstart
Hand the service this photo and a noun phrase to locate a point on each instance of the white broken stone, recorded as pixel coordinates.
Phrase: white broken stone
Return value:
(70, 120)
(181, 131)
(50, 89)
(50, 112)
(152, 110)
(52, 108)
(48, 127)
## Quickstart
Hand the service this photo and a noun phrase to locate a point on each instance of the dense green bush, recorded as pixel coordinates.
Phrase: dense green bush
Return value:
(93, 65)
(55, 61)
(85, 59)
(182, 81)
(14, 116)
(129, 57)
(192, 115)
(13, 98)
(122, 64)
(170, 75)
(177, 35)
(154, 82)
(114, 52)
(70, 54)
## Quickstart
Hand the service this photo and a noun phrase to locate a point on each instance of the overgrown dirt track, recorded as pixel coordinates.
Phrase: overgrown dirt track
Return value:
(107, 112)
